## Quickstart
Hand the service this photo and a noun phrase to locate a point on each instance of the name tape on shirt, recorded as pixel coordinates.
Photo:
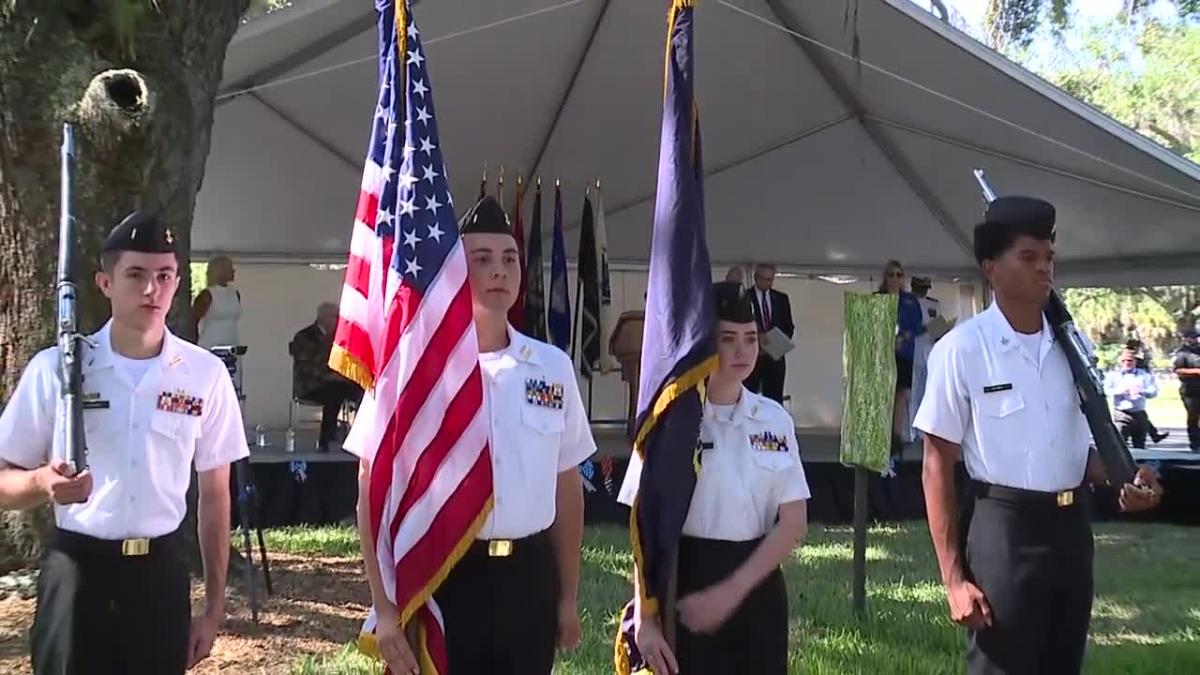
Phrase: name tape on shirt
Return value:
(543, 394)
(180, 402)
(768, 442)
(991, 389)
(92, 401)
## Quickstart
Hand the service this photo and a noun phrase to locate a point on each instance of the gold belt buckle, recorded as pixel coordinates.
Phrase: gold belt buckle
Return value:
(133, 547)
(1066, 498)
(500, 548)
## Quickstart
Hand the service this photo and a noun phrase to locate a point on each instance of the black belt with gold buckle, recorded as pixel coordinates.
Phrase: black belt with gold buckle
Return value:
(1061, 498)
(134, 547)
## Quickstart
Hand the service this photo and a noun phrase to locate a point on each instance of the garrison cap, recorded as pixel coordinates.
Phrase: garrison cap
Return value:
(1026, 214)
(140, 232)
(733, 302)
(485, 217)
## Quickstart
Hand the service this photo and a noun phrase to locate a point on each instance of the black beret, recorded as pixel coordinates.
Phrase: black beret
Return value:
(1024, 214)
(733, 302)
(485, 217)
(140, 232)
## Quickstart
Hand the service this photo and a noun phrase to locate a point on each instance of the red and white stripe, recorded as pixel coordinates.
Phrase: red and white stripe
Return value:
(362, 308)
(431, 475)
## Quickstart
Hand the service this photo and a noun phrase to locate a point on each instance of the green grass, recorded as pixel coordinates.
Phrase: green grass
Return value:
(1166, 410)
(329, 540)
(1146, 618)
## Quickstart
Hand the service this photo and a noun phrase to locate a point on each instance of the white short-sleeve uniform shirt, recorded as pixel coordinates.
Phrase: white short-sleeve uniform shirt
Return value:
(539, 428)
(146, 424)
(749, 465)
(1010, 401)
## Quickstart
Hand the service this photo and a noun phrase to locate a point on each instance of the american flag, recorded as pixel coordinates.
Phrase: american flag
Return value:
(406, 333)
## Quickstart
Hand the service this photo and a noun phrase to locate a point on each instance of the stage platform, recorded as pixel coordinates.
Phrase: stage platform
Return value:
(310, 487)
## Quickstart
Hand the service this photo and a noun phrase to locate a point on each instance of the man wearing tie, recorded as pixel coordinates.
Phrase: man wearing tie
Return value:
(771, 310)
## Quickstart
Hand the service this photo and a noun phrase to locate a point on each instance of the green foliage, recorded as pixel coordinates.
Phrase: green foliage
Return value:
(1014, 24)
(1145, 75)
(1145, 618)
(199, 271)
(332, 541)
(263, 7)
(115, 23)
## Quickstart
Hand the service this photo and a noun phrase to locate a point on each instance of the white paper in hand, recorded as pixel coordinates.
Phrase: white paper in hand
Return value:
(775, 344)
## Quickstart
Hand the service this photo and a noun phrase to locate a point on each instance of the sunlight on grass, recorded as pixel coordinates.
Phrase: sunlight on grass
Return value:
(328, 540)
(841, 552)
(1146, 619)
(347, 661)
(1108, 609)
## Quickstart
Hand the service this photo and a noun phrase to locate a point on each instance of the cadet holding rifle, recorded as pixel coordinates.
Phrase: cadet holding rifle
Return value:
(114, 589)
(1001, 394)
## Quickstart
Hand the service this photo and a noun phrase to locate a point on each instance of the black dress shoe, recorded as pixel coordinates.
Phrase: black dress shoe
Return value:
(1158, 438)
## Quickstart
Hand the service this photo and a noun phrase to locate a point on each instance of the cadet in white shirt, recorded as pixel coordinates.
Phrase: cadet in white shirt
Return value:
(747, 514)
(114, 588)
(512, 598)
(1018, 565)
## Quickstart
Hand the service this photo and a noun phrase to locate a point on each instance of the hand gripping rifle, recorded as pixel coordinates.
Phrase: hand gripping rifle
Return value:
(73, 447)
(1089, 382)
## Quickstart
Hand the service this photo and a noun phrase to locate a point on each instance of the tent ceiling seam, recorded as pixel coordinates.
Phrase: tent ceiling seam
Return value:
(319, 47)
(892, 154)
(566, 97)
(307, 133)
(762, 152)
(967, 145)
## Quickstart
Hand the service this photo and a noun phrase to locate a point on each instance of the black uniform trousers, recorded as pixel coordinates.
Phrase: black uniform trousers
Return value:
(1033, 561)
(332, 396)
(1192, 405)
(768, 377)
(1133, 425)
(754, 639)
(101, 613)
(501, 613)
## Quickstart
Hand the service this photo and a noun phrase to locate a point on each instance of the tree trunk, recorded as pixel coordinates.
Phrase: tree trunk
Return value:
(138, 80)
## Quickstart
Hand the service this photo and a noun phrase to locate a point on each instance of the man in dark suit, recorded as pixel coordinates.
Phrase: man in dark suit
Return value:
(313, 379)
(772, 310)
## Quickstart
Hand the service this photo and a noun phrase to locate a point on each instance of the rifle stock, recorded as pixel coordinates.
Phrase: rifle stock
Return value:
(1089, 382)
(73, 445)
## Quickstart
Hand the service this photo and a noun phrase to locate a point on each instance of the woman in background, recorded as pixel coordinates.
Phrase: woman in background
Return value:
(909, 324)
(218, 307)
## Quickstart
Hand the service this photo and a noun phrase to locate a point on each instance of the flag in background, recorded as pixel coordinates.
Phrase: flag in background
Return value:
(608, 314)
(589, 286)
(535, 290)
(679, 350)
(559, 315)
(406, 328)
(516, 314)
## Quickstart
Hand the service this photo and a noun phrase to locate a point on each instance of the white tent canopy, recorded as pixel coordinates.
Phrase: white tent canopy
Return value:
(814, 160)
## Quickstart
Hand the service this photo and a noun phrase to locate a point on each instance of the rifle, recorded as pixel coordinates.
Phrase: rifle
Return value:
(1089, 381)
(74, 445)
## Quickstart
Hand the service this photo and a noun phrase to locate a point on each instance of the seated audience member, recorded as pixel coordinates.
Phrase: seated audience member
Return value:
(314, 380)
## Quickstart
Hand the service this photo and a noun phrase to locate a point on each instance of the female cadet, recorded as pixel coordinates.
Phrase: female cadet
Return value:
(746, 516)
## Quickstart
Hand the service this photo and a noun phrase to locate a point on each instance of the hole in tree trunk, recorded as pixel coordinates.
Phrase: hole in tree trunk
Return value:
(126, 90)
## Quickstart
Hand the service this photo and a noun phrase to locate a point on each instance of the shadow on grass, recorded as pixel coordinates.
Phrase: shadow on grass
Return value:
(1147, 580)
